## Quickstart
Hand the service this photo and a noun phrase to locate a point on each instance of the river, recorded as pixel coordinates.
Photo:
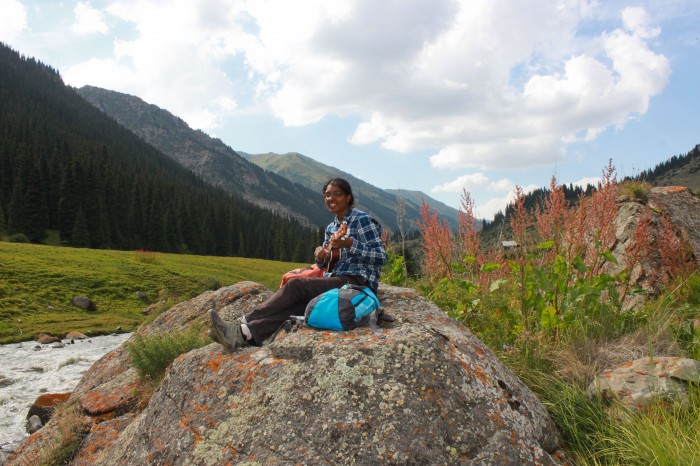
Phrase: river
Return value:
(28, 370)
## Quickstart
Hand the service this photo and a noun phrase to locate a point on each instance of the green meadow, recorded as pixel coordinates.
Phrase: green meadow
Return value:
(37, 283)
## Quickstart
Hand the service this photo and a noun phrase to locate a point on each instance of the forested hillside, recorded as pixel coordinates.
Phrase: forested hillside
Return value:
(679, 170)
(210, 158)
(66, 166)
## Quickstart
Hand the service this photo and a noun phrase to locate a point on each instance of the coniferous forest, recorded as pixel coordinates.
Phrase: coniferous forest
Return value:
(66, 166)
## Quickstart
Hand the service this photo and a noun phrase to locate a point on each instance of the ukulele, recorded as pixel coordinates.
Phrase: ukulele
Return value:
(334, 256)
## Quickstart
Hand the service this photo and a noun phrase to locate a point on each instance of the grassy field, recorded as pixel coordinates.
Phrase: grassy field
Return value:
(37, 283)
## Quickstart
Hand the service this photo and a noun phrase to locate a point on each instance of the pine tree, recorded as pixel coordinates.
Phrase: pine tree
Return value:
(67, 204)
(3, 223)
(80, 235)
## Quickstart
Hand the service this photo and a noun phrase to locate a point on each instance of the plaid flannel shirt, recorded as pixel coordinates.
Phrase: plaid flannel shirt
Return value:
(366, 256)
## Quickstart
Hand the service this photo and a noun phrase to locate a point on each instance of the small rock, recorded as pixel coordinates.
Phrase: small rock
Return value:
(74, 335)
(44, 405)
(33, 424)
(46, 339)
(58, 344)
(83, 303)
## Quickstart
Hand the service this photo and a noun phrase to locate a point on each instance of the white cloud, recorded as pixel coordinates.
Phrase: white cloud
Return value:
(476, 181)
(583, 182)
(175, 60)
(493, 205)
(13, 19)
(637, 20)
(480, 187)
(88, 20)
(482, 83)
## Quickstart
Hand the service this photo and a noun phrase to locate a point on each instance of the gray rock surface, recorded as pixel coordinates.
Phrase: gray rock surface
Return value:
(427, 392)
(641, 382)
(683, 208)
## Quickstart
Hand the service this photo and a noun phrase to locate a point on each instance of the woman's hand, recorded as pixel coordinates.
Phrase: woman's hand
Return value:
(320, 254)
(340, 243)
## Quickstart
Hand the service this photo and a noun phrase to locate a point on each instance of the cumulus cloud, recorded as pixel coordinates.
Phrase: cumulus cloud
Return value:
(473, 182)
(480, 83)
(493, 205)
(174, 61)
(13, 19)
(88, 20)
(483, 83)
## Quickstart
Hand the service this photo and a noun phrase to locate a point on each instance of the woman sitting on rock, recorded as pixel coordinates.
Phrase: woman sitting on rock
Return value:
(355, 258)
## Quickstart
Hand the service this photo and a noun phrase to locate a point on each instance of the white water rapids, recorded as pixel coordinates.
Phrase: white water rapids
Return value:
(27, 372)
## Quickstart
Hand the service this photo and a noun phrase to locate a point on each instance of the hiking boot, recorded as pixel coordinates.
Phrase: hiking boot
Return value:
(229, 334)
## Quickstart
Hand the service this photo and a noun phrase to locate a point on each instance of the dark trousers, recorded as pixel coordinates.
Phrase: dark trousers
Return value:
(291, 300)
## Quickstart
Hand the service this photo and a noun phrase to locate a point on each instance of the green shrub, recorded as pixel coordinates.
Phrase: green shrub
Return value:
(18, 238)
(582, 422)
(152, 354)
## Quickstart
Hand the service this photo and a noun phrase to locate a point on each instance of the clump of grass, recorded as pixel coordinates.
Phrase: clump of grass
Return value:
(661, 435)
(152, 354)
(638, 190)
(63, 447)
(582, 422)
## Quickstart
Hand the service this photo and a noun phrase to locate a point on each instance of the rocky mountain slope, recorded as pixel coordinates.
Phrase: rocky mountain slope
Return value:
(380, 203)
(209, 158)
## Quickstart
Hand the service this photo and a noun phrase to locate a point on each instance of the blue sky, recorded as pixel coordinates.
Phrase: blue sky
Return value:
(430, 95)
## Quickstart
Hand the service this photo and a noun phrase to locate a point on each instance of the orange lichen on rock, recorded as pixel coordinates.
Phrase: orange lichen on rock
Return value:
(109, 398)
(102, 437)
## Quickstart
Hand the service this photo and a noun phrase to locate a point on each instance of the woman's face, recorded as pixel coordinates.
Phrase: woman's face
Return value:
(337, 201)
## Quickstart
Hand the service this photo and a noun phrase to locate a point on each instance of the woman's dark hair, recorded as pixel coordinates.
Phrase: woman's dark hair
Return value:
(343, 185)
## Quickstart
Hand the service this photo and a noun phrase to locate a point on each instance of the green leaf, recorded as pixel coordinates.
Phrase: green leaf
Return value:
(549, 318)
(609, 257)
(579, 265)
(490, 267)
(545, 245)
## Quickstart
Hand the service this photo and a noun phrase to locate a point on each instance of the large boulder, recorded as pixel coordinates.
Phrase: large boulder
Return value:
(681, 208)
(425, 392)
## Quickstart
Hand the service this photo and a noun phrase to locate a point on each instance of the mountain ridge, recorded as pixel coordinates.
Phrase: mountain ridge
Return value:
(381, 203)
(292, 192)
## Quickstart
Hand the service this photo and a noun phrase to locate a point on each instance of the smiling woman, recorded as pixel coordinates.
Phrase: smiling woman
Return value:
(357, 256)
